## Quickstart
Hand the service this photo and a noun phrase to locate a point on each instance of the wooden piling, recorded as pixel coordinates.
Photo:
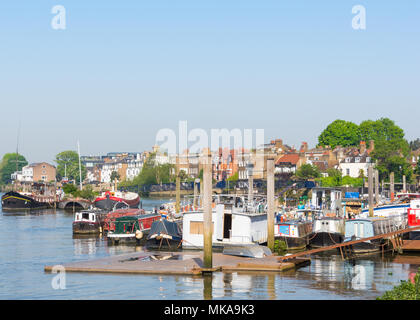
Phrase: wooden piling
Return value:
(250, 186)
(196, 181)
(391, 186)
(270, 203)
(376, 186)
(178, 186)
(404, 184)
(207, 206)
(370, 189)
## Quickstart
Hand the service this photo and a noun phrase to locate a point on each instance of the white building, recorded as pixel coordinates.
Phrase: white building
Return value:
(134, 168)
(352, 165)
(26, 175)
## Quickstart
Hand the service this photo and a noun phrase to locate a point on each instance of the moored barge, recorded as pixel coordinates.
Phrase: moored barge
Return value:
(131, 229)
(16, 201)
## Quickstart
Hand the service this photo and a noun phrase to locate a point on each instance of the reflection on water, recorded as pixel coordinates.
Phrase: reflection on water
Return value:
(32, 240)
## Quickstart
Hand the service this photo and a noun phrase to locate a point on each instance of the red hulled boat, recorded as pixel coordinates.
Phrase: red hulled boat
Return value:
(110, 200)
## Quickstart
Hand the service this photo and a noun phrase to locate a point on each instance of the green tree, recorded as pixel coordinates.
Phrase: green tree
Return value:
(415, 144)
(68, 161)
(8, 166)
(115, 176)
(340, 132)
(308, 171)
(391, 156)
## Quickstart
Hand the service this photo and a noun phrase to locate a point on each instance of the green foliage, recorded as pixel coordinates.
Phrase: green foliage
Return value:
(86, 193)
(69, 188)
(280, 247)
(308, 171)
(115, 176)
(8, 166)
(383, 129)
(340, 132)
(407, 290)
(69, 161)
(415, 144)
(152, 173)
(234, 177)
(335, 179)
(389, 158)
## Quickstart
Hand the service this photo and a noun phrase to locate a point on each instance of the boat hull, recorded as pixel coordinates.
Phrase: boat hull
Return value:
(295, 243)
(325, 239)
(83, 227)
(117, 203)
(14, 201)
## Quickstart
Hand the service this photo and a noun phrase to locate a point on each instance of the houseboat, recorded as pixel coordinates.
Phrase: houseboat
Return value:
(414, 219)
(15, 201)
(235, 221)
(357, 229)
(165, 233)
(89, 221)
(111, 200)
(132, 229)
(295, 233)
(109, 221)
(326, 231)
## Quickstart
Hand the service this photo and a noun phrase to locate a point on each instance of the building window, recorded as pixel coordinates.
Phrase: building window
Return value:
(348, 172)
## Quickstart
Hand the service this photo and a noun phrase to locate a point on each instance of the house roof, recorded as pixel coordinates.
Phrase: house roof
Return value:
(291, 158)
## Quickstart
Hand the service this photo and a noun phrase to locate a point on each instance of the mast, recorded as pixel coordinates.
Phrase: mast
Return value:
(80, 167)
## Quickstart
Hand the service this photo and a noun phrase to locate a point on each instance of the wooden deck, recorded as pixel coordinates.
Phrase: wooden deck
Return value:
(178, 263)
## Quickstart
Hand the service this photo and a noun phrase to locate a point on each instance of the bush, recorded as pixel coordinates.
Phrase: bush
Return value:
(407, 290)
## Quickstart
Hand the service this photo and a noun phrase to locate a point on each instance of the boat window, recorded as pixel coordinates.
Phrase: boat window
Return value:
(92, 217)
(85, 216)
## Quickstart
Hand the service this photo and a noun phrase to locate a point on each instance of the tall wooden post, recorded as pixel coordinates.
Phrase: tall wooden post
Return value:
(370, 189)
(207, 214)
(404, 184)
(250, 170)
(376, 186)
(178, 186)
(196, 181)
(270, 203)
(391, 185)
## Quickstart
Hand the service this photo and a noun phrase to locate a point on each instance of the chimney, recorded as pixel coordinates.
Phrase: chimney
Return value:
(304, 147)
(362, 147)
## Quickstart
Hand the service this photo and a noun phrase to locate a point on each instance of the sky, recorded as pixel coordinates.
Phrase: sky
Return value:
(122, 70)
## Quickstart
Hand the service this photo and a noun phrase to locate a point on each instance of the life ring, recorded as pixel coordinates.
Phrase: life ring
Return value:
(139, 234)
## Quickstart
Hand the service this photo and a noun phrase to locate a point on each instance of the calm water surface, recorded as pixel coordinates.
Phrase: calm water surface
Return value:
(31, 241)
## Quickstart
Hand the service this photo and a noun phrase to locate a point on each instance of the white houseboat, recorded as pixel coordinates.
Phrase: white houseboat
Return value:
(234, 223)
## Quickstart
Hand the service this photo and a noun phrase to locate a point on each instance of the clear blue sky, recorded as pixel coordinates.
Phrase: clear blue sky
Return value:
(124, 69)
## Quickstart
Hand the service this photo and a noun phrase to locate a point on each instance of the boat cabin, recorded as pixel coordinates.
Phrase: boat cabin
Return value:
(85, 216)
(368, 227)
(294, 229)
(231, 224)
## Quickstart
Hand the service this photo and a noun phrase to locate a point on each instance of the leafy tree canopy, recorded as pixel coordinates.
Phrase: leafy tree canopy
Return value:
(308, 171)
(68, 161)
(8, 166)
(415, 144)
(340, 132)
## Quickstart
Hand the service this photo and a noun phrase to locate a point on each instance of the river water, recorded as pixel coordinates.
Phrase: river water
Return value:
(31, 241)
